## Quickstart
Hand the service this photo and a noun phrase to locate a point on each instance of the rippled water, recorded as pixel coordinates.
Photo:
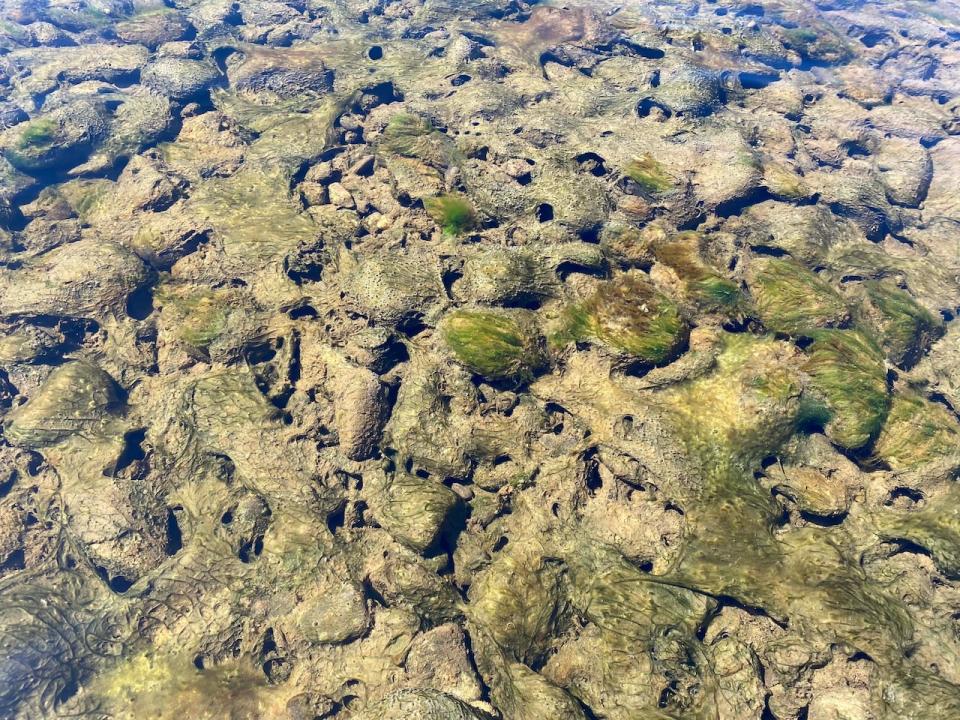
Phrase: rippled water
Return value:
(430, 359)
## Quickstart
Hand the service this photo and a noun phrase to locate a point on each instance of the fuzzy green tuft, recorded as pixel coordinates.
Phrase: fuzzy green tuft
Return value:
(905, 328)
(630, 316)
(649, 174)
(917, 431)
(412, 136)
(498, 345)
(703, 286)
(38, 133)
(792, 300)
(849, 379)
(453, 213)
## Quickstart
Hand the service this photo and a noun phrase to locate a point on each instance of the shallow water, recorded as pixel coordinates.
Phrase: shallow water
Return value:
(413, 359)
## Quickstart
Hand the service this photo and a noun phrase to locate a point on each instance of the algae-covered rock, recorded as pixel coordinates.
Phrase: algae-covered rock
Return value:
(499, 345)
(393, 289)
(59, 282)
(849, 382)
(60, 138)
(421, 704)
(791, 299)
(904, 328)
(77, 398)
(412, 136)
(519, 601)
(916, 432)
(479, 360)
(180, 78)
(630, 317)
(414, 510)
(505, 276)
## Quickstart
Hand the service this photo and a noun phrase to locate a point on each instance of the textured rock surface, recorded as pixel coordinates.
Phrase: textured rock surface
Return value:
(484, 360)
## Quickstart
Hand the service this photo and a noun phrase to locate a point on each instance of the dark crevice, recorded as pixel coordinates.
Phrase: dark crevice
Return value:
(174, 535)
(132, 449)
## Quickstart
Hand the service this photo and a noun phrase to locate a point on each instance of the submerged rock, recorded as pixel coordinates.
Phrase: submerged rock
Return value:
(488, 360)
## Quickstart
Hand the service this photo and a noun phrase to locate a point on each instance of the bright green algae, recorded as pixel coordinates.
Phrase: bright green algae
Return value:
(499, 345)
(792, 300)
(629, 316)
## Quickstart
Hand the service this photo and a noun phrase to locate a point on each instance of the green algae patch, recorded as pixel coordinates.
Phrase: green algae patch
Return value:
(745, 409)
(86, 197)
(703, 285)
(200, 316)
(792, 300)
(904, 328)
(935, 526)
(413, 136)
(917, 432)
(169, 688)
(453, 213)
(629, 316)
(823, 45)
(498, 345)
(648, 173)
(729, 421)
(519, 600)
(38, 133)
(849, 381)
(31, 148)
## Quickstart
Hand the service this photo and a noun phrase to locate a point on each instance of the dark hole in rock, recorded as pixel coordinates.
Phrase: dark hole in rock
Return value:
(902, 493)
(68, 691)
(140, 303)
(757, 81)
(303, 311)
(647, 105)
(7, 485)
(412, 325)
(375, 52)
(669, 691)
(461, 79)
(874, 38)
(545, 212)
(15, 560)
(132, 449)
(174, 535)
(118, 583)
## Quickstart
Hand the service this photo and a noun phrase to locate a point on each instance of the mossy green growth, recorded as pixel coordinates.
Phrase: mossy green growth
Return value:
(38, 133)
(649, 174)
(849, 382)
(822, 45)
(917, 431)
(629, 316)
(198, 316)
(499, 345)
(905, 329)
(703, 285)
(412, 136)
(85, 196)
(792, 300)
(453, 213)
